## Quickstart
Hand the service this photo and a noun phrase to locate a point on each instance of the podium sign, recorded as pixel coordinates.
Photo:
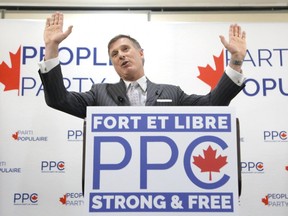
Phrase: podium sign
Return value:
(161, 161)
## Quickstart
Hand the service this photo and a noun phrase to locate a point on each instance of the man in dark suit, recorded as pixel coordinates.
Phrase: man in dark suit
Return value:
(127, 57)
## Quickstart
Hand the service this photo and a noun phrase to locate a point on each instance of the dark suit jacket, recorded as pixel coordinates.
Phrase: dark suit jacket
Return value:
(75, 103)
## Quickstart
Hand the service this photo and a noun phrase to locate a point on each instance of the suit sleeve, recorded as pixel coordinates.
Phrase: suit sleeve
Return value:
(57, 97)
(225, 91)
(221, 95)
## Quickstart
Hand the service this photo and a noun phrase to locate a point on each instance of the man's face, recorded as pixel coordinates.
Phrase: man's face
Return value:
(127, 59)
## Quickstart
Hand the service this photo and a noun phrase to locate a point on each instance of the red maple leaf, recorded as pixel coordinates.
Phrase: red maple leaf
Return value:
(265, 200)
(34, 197)
(210, 76)
(210, 163)
(260, 166)
(286, 167)
(63, 199)
(15, 136)
(10, 77)
(61, 165)
(283, 135)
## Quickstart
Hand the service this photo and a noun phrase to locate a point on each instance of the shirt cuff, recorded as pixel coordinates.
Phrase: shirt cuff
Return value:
(235, 76)
(46, 66)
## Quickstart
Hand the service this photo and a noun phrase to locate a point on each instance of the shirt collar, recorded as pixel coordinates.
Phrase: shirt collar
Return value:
(142, 83)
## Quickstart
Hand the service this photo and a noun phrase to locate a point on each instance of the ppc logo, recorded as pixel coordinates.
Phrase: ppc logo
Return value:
(252, 167)
(275, 136)
(25, 199)
(10, 77)
(209, 163)
(210, 76)
(52, 166)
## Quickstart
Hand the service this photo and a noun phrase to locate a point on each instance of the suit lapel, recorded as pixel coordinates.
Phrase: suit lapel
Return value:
(118, 93)
(153, 92)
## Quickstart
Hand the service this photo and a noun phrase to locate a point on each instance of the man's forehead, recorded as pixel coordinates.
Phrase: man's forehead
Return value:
(120, 42)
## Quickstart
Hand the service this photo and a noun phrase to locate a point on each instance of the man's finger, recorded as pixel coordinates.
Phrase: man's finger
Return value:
(47, 22)
(223, 41)
(243, 35)
(68, 31)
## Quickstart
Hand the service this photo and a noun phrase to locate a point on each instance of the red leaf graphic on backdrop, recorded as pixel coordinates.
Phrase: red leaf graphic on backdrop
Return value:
(34, 197)
(61, 165)
(10, 77)
(283, 135)
(260, 166)
(210, 163)
(211, 76)
(265, 200)
(15, 136)
(63, 199)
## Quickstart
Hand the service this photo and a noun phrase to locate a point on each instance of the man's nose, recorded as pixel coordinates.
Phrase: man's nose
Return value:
(121, 55)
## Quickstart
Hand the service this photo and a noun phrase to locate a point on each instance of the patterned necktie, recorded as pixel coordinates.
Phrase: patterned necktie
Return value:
(133, 94)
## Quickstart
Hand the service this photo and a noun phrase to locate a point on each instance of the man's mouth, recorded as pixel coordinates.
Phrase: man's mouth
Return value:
(124, 63)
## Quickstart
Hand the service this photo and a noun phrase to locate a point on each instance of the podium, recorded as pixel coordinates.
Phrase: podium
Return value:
(161, 160)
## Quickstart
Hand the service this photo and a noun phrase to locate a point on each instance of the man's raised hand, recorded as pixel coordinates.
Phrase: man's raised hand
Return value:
(54, 35)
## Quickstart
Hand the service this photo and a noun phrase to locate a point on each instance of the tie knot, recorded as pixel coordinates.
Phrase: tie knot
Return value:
(133, 85)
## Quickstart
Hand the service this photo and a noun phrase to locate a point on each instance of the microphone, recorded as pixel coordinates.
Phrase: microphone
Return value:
(120, 99)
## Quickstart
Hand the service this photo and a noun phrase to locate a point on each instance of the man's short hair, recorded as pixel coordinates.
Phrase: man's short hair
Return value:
(114, 39)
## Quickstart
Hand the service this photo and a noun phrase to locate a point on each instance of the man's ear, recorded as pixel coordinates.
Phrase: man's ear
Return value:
(141, 51)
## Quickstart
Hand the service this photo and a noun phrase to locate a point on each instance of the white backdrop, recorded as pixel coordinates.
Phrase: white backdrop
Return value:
(41, 149)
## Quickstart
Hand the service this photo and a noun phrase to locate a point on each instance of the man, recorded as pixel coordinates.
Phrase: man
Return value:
(127, 57)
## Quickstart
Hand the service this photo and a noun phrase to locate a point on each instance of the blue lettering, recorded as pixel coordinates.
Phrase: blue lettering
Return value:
(41, 88)
(67, 83)
(250, 59)
(98, 166)
(260, 58)
(144, 166)
(281, 88)
(268, 84)
(86, 56)
(29, 52)
(280, 55)
(42, 49)
(27, 83)
(257, 87)
(32, 85)
(70, 55)
(95, 59)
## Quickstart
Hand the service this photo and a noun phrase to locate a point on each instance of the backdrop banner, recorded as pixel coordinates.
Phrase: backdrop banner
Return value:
(41, 148)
